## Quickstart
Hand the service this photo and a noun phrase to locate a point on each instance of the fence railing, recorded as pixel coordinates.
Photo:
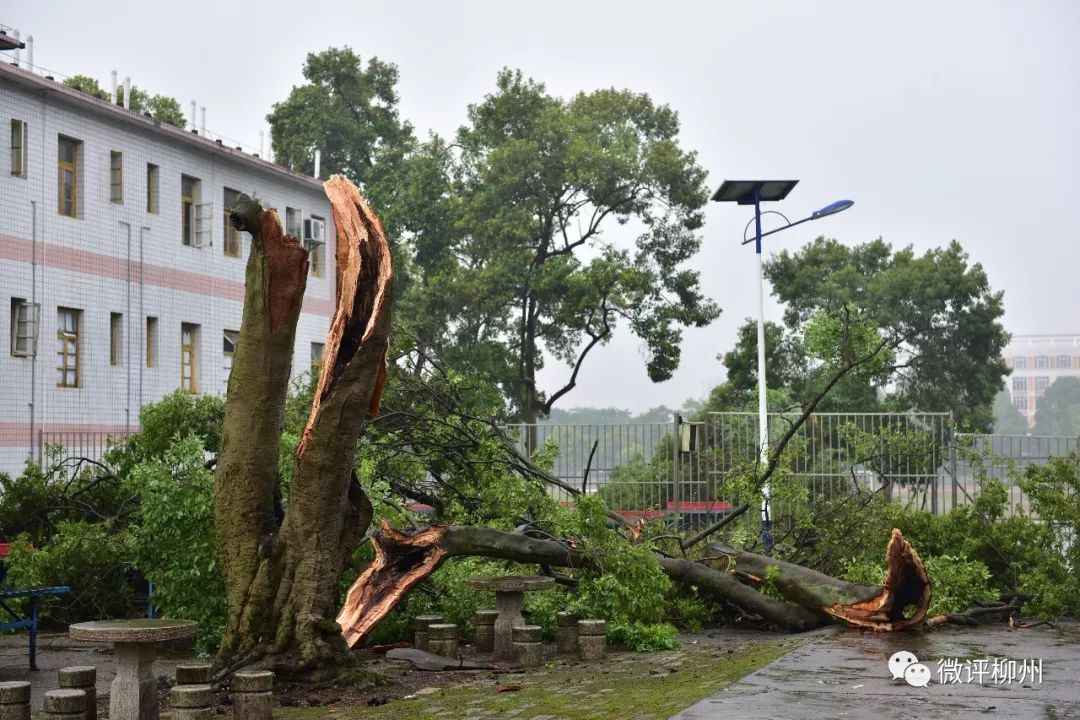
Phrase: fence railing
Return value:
(651, 469)
(90, 445)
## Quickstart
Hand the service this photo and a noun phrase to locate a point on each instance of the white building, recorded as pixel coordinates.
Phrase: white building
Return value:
(1036, 362)
(120, 277)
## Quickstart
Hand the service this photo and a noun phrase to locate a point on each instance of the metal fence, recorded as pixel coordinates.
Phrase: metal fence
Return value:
(653, 469)
(90, 445)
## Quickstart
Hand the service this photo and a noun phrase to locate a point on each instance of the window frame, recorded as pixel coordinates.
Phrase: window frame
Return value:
(23, 307)
(69, 339)
(1020, 402)
(187, 210)
(151, 341)
(1042, 362)
(230, 235)
(317, 358)
(18, 150)
(1019, 383)
(1066, 358)
(71, 167)
(153, 185)
(316, 255)
(189, 357)
(116, 177)
(228, 337)
(116, 339)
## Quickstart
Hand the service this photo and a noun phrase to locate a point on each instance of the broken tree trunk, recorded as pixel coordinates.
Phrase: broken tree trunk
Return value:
(403, 560)
(281, 573)
(879, 608)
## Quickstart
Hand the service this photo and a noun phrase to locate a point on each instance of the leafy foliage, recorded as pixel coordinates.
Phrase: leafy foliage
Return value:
(161, 107)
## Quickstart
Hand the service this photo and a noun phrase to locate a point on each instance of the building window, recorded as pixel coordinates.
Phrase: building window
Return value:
(151, 342)
(315, 241)
(292, 222)
(68, 179)
(18, 148)
(116, 339)
(229, 340)
(231, 234)
(1020, 401)
(1041, 361)
(116, 176)
(189, 357)
(1064, 361)
(67, 346)
(151, 188)
(189, 193)
(1041, 383)
(24, 325)
(1019, 362)
(316, 358)
(1019, 384)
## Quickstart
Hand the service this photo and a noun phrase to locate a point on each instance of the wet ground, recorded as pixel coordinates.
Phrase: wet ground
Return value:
(843, 673)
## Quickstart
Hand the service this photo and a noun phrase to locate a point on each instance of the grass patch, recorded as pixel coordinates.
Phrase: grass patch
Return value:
(629, 686)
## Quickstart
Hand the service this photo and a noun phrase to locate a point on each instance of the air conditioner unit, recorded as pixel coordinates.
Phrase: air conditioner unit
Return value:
(314, 232)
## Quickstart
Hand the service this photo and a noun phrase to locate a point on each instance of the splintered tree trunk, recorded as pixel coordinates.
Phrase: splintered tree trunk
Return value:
(812, 599)
(281, 568)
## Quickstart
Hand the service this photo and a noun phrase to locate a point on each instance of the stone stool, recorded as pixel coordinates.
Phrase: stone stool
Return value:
(591, 641)
(420, 626)
(527, 648)
(443, 639)
(253, 698)
(566, 634)
(192, 702)
(194, 674)
(81, 677)
(485, 630)
(65, 704)
(15, 700)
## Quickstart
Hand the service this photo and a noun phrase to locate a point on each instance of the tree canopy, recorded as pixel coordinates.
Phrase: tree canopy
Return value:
(515, 256)
(1007, 419)
(938, 309)
(1058, 410)
(161, 107)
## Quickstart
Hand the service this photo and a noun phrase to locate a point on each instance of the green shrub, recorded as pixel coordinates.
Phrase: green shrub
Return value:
(173, 540)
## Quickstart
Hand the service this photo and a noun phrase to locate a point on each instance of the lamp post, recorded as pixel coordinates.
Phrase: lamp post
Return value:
(755, 192)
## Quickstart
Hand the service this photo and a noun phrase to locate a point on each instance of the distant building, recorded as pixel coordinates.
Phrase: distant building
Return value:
(1036, 361)
(121, 278)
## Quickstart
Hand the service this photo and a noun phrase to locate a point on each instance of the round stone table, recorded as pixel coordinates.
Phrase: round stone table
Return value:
(509, 599)
(133, 693)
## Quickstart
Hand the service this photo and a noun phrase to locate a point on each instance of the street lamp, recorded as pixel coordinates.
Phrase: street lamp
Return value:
(755, 192)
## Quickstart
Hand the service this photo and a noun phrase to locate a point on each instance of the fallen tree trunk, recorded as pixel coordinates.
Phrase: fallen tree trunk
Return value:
(879, 608)
(403, 560)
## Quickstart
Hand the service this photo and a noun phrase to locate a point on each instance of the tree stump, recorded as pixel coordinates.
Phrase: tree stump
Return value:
(192, 702)
(15, 700)
(420, 627)
(528, 651)
(443, 639)
(81, 677)
(591, 641)
(253, 698)
(485, 630)
(65, 704)
(566, 634)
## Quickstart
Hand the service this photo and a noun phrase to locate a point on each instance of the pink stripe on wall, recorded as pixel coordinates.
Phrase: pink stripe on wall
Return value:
(115, 268)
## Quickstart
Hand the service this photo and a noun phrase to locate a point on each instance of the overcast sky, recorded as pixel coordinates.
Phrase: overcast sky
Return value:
(941, 120)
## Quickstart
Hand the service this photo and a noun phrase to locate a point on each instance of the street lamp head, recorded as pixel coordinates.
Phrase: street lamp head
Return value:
(838, 206)
(746, 192)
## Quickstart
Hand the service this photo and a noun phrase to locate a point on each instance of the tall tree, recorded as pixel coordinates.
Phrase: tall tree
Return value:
(1058, 410)
(1007, 419)
(525, 271)
(161, 107)
(348, 110)
(942, 306)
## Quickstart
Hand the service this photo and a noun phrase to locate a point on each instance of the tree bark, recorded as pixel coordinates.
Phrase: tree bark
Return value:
(878, 608)
(281, 578)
